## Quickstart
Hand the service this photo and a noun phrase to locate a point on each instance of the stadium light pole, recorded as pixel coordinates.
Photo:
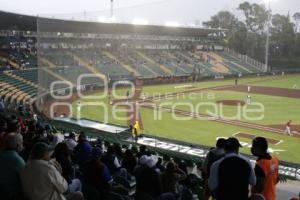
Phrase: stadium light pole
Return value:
(111, 9)
(268, 5)
(268, 37)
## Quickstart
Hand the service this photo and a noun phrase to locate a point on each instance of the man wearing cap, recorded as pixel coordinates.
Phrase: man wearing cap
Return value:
(146, 162)
(41, 178)
(266, 169)
(231, 176)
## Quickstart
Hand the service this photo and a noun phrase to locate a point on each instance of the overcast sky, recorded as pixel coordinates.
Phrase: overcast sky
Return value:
(154, 11)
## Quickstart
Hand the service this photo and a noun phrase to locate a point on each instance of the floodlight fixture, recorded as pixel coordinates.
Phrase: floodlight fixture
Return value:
(140, 21)
(172, 24)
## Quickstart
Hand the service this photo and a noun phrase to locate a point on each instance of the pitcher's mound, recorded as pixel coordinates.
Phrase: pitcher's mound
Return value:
(231, 102)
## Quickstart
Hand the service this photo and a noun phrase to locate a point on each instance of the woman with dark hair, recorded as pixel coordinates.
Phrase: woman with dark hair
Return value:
(96, 173)
(63, 157)
(118, 151)
(148, 184)
(170, 177)
(98, 181)
(143, 151)
(129, 161)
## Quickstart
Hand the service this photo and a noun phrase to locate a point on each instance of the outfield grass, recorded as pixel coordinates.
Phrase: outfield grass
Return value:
(100, 110)
(172, 88)
(205, 132)
(288, 81)
(276, 110)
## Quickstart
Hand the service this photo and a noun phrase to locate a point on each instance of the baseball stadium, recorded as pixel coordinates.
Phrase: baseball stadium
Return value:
(174, 89)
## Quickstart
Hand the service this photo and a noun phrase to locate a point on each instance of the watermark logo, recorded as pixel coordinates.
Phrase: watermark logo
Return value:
(123, 100)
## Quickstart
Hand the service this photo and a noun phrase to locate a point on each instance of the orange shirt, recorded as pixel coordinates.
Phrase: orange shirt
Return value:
(270, 168)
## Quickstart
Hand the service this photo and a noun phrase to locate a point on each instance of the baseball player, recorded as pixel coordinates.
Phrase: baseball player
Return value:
(288, 128)
(295, 86)
(144, 97)
(78, 109)
(248, 100)
(249, 88)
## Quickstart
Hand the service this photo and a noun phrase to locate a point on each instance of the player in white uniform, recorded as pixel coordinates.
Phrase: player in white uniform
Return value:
(249, 88)
(248, 100)
(295, 86)
(78, 110)
(288, 128)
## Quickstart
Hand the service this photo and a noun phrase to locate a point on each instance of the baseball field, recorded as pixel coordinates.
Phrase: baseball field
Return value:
(200, 112)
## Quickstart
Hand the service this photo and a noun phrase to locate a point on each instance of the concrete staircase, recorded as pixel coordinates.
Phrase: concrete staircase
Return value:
(162, 67)
(221, 60)
(126, 67)
(215, 60)
(175, 58)
(188, 58)
(148, 68)
(47, 62)
(92, 69)
(57, 76)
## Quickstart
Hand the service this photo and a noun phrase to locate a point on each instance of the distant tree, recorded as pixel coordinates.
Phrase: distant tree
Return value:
(256, 16)
(237, 38)
(283, 35)
(248, 36)
(223, 19)
(237, 30)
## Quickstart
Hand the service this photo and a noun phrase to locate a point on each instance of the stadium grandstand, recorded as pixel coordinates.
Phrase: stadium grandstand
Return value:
(67, 49)
(48, 67)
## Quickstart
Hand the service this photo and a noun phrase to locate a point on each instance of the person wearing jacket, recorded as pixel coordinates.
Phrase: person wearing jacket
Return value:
(42, 179)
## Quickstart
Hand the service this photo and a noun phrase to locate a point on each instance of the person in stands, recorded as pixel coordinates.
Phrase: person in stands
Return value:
(231, 176)
(97, 178)
(111, 160)
(83, 151)
(63, 156)
(170, 178)
(71, 141)
(266, 169)
(2, 106)
(296, 198)
(11, 165)
(41, 177)
(213, 155)
(148, 184)
(142, 151)
(129, 161)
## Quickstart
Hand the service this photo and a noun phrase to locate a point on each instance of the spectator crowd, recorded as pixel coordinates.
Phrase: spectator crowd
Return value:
(39, 164)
